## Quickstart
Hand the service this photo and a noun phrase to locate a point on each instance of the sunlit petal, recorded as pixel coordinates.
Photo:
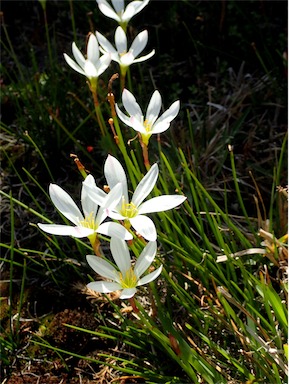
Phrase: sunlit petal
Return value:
(124, 118)
(146, 185)
(114, 230)
(167, 116)
(161, 203)
(154, 107)
(127, 293)
(145, 227)
(120, 254)
(64, 203)
(145, 259)
(104, 286)
(65, 230)
(96, 194)
(88, 205)
(150, 277)
(130, 104)
(114, 174)
(102, 267)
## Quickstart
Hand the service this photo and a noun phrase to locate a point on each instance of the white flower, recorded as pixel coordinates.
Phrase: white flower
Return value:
(121, 55)
(94, 65)
(125, 277)
(91, 223)
(152, 124)
(133, 212)
(118, 12)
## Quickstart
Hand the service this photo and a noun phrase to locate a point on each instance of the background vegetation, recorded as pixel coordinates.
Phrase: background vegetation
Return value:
(221, 304)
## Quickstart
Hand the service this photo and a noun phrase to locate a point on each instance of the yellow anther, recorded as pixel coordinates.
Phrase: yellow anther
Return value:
(129, 280)
(128, 210)
(89, 222)
(147, 125)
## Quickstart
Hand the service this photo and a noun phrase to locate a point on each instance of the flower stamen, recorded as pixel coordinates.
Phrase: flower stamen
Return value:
(129, 280)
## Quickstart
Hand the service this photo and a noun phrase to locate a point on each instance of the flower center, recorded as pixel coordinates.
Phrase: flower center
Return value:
(129, 280)
(89, 222)
(128, 210)
(147, 125)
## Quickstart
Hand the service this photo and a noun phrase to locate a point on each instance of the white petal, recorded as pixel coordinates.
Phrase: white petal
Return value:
(102, 267)
(161, 203)
(114, 230)
(131, 106)
(127, 293)
(105, 44)
(104, 286)
(73, 65)
(106, 9)
(66, 230)
(78, 55)
(145, 227)
(145, 57)
(90, 70)
(118, 5)
(167, 116)
(126, 60)
(150, 277)
(115, 215)
(96, 194)
(154, 107)
(114, 174)
(133, 8)
(120, 253)
(160, 127)
(109, 202)
(103, 63)
(64, 203)
(139, 43)
(125, 119)
(89, 207)
(137, 125)
(120, 40)
(137, 7)
(145, 259)
(113, 197)
(92, 49)
(146, 185)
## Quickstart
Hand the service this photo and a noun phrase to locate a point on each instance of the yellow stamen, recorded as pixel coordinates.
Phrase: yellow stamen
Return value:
(129, 280)
(128, 210)
(89, 222)
(147, 125)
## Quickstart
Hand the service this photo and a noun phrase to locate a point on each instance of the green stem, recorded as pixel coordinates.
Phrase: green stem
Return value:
(98, 112)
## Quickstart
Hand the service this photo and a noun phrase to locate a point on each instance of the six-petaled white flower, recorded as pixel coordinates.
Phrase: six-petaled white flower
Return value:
(133, 211)
(93, 65)
(119, 12)
(121, 55)
(91, 223)
(124, 276)
(151, 124)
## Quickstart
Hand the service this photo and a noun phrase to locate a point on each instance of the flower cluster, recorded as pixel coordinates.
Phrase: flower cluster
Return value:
(113, 212)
